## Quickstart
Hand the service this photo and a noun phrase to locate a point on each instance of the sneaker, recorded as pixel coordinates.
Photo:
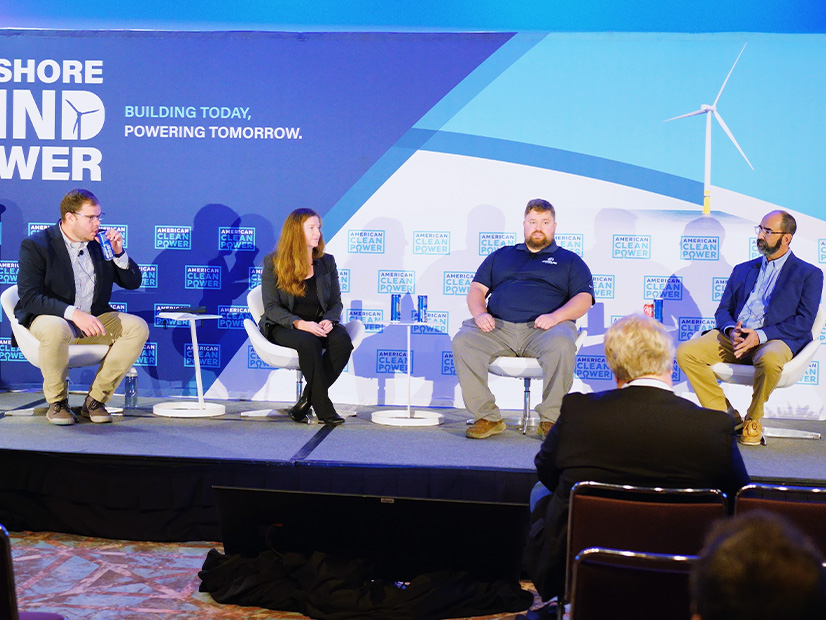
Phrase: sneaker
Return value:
(59, 413)
(544, 428)
(482, 429)
(95, 411)
(752, 434)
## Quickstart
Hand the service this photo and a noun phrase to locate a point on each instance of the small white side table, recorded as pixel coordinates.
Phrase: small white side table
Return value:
(406, 417)
(189, 409)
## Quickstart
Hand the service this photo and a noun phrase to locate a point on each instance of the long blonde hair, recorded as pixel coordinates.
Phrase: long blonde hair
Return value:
(290, 264)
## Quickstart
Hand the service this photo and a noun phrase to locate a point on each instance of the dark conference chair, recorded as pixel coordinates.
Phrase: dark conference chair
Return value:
(639, 519)
(608, 583)
(8, 596)
(805, 507)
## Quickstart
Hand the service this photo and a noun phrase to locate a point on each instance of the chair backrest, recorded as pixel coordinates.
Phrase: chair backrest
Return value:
(8, 596)
(29, 345)
(608, 583)
(805, 507)
(647, 520)
(255, 302)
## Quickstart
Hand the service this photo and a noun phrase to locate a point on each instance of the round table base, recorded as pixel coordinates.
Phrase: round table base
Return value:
(403, 417)
(184, 409)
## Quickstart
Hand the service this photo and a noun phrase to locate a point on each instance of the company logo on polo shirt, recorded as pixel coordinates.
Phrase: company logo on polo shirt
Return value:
(570, 241)
(365, 241)
(254, 277)
(434, 242)
(821, 250)
(37, 227)
(9, 353)
(699, 248)
(231, 239)
(8, 271)
(490, 241)
(173, 237)
(255, 362)
(631, 246)
(436, 323)
(232, 317)
(344, 280)
(718, 286)
(393, 281)
(159, 322)
(149, 355)
(447, 363)
(202, 276)
(149, 276)
(687, 326)
(118, 306)
(389, 361)
(603, 286)
(593, 367)
(812, 374)
(456, 282)
(208, 354)
(373, 319)
(663, 287)
(753, 253)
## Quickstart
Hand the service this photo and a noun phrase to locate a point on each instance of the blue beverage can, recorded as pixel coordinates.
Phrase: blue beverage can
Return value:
(658, 310)
(105, 245)
(395, 308)
(422, 309)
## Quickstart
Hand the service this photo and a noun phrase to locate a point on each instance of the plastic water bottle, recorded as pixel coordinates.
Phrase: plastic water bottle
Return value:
(130, 384)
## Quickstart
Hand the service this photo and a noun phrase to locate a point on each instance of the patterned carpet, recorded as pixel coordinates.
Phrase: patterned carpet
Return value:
(95, 579)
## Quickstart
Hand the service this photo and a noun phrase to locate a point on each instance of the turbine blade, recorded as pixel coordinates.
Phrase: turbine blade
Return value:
(727, 77)
(695, 113)
(71, 105)
(731, 136)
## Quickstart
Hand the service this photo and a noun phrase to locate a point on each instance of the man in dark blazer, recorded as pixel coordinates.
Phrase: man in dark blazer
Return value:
(65, 285)
(639, 434)
(764, 318)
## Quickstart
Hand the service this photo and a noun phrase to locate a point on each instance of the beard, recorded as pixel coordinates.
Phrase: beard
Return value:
(538, 241)
(767, 250)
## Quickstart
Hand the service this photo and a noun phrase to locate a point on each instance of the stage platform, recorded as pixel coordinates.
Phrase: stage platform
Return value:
(146, 477)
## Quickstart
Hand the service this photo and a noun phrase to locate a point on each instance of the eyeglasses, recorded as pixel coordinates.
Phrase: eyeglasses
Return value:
(758, 229)
(91, 218)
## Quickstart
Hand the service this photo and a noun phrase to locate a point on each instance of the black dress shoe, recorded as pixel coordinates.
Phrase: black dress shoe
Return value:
(301, 409)
(333, 420)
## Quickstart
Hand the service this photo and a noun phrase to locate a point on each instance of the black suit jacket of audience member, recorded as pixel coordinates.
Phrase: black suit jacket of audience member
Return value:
(638, 435)
(46, 282)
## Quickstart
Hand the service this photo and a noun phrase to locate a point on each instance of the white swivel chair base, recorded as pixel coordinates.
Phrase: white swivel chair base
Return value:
(789, 433)
(403, 417)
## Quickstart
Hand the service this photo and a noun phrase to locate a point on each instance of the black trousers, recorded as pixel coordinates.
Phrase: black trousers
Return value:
(321, 361)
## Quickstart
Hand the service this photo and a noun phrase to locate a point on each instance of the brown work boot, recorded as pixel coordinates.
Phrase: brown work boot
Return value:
(95, 411)
(752, 434)
(59, 413)
(544, 428)
(482, 429)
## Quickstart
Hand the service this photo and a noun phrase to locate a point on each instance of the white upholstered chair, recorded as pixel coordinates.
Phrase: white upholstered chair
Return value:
(284, 357)
(79, 354)
(793, 370)
(525, 368)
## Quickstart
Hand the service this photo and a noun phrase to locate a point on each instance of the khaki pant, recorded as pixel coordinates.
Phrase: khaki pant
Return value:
(696, 356)
(125, 336)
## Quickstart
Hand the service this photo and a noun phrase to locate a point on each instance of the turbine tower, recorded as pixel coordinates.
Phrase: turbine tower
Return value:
(710, 110)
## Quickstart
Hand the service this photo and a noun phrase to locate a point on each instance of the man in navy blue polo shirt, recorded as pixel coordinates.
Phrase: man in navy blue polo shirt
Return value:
(524, 300)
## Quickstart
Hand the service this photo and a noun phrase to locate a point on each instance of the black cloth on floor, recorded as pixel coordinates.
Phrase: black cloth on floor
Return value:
(327, 587)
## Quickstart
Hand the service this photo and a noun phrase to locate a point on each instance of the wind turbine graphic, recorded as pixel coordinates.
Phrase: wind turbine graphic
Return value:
(76, 128)
(710, 110)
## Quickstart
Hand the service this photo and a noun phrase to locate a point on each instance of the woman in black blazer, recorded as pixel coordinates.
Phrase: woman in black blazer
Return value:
(302, 310)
